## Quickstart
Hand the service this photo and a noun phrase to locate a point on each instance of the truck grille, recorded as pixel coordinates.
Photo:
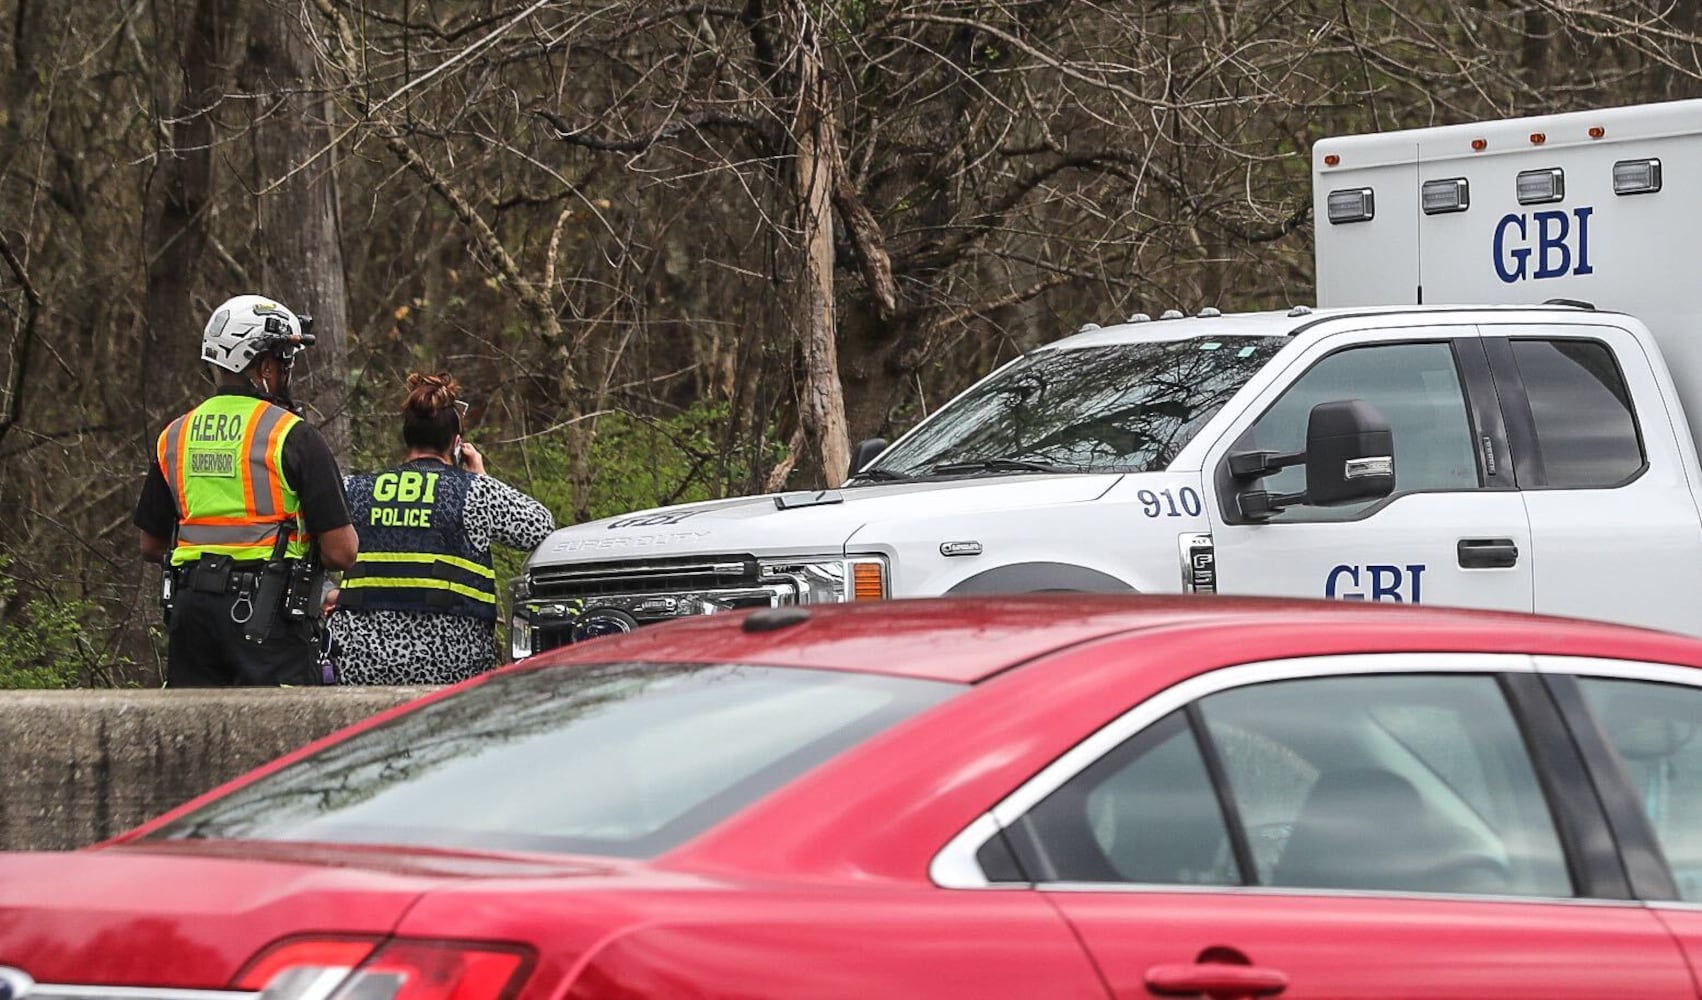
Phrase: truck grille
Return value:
(643, 576)
(570, 603)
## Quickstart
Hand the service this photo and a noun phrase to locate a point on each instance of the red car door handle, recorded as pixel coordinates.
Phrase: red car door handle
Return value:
(1216, 980)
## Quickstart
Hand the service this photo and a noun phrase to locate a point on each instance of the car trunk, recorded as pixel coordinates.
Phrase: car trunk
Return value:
(191, 915)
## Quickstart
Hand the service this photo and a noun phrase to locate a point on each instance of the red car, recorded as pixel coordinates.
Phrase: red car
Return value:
(1064, 797)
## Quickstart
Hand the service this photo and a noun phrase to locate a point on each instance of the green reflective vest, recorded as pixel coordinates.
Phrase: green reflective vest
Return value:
(224, 462)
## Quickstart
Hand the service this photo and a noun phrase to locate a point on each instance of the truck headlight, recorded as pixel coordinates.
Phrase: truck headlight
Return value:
(520, 644)
(519, 638)
(832, 580)
(539, 623)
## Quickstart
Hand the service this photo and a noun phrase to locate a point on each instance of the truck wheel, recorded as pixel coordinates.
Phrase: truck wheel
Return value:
(1040, 577)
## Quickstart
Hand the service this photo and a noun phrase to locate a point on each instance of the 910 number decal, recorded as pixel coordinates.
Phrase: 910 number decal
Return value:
(1164, 503)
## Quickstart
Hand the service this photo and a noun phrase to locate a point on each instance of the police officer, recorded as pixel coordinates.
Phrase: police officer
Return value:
(420, 605)
(239, 491)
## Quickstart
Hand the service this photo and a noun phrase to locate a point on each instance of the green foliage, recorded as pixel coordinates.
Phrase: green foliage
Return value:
(374, 425)
(637, 464)
(43, 640)
(641, 464)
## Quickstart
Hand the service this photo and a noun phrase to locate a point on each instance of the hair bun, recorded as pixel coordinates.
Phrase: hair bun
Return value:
(428, 394)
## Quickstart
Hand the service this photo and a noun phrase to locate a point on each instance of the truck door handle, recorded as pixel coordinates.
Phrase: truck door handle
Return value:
(1488, 553)
(1217, 980)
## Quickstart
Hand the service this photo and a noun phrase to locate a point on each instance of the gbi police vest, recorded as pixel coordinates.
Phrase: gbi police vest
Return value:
(224, 462)
(414, 551)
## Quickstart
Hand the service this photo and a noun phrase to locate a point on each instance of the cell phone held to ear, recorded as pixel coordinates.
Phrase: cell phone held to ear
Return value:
(468, 458)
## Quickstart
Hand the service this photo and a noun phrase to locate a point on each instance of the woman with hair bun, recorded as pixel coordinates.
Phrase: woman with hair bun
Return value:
(419, 606)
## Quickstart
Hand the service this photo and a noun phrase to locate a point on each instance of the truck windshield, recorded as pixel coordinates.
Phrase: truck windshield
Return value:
(1111, 408)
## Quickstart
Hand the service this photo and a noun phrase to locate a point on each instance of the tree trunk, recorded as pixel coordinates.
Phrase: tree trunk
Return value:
(300, 240)
(1534, 51)
(873, 381)
(883, 346)
(182, 195)
(822, 395)
(1687, 82)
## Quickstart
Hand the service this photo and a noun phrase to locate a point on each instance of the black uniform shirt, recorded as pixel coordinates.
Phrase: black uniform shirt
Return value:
(308, 465)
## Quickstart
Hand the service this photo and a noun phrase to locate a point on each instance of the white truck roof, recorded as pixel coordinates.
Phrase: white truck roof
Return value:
(1284, 323)
(1249, 324)
(1600, 206)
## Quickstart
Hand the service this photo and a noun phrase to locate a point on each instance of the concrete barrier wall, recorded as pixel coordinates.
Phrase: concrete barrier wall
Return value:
(77, 767)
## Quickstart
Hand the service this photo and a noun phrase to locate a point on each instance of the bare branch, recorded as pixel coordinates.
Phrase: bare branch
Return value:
(694, 123)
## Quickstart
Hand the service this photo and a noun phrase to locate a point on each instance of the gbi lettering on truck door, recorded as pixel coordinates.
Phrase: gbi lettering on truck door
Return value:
(1538, 245)
(1377, 582)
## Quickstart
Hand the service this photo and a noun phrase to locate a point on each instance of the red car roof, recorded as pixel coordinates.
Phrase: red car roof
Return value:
(969, 639)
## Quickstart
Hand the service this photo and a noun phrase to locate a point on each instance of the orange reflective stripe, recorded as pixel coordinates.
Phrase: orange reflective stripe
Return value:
(175, 476)
(276, 476)
(247, 464)
(162, 453)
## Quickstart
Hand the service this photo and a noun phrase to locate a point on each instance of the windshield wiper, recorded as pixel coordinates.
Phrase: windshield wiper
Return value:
(879, 476)
(994, 465)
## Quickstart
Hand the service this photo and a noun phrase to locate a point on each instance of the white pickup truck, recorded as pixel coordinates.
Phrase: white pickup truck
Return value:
(1528, 452)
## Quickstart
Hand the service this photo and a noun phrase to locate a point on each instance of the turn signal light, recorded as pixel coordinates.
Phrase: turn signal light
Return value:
(362, 969)
(868, 582)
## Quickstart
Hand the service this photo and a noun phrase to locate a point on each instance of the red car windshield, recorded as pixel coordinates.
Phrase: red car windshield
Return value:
(627, 759)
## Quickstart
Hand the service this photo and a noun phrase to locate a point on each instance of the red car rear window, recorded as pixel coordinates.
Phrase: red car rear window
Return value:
(627, 759)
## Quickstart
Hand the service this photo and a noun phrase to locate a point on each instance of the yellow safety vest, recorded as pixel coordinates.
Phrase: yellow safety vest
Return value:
(224, 462)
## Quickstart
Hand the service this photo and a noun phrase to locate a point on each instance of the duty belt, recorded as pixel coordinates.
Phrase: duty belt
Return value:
(208, 576)
(218, 574)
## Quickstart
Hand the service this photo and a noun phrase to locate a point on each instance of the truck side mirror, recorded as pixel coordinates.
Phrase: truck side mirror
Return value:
(1350, 453)
(864, 453)
(1349, 457)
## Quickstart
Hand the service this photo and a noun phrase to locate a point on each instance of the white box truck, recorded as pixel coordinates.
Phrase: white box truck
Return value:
(1486, 410)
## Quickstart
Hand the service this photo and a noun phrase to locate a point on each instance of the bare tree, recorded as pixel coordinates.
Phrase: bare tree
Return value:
(183, 194)
(298, 238)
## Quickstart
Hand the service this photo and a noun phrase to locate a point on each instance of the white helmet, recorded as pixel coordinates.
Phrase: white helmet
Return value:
(248, 326)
